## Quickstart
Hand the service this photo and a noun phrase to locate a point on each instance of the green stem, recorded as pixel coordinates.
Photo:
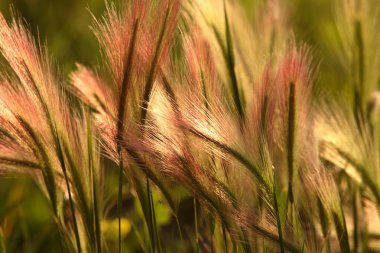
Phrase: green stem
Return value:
(155, 224)
(225, 238)
(150, 217)
(120, 202)
(355, 207)
(278, 218)
(196, 224)
(87, 213)
(97, 219)
(91, 166)
(76, 229)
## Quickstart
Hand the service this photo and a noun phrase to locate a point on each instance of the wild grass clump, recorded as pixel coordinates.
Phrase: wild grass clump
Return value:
(195, 114)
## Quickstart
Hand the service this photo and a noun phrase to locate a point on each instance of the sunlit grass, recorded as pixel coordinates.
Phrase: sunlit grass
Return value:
(198, 131)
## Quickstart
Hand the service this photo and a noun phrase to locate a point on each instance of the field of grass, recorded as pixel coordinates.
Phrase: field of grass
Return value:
(189, 126)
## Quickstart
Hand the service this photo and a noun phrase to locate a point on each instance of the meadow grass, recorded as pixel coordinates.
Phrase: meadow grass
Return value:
(195, 139)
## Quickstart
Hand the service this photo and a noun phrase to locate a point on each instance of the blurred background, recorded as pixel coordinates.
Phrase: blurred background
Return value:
(64, 26)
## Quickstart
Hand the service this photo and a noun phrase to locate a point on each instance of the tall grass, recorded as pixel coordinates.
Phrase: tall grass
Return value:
(192, 116)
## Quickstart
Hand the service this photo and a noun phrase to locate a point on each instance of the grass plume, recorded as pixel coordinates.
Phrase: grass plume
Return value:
(199, 125)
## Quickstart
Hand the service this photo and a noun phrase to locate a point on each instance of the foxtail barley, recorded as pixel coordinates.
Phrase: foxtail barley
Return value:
(191, 95)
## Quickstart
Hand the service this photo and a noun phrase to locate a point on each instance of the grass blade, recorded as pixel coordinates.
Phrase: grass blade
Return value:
(368, 180)
(152, 70)
(92, 170)
(120, 119)
(341, 230)
(83, 202)
(54, 134)
(225, 238)
(47, 169)
(18, 162)
(120, 202)
(196, 224)
(72, 208)
(230, 60)
(324, 224)
(151, 216)
(238, 156)
(359, 68)
(278, 217)
(291, 139)
(355, 211)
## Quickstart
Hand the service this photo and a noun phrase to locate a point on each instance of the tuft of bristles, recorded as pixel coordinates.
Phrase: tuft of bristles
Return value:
(189, 96)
